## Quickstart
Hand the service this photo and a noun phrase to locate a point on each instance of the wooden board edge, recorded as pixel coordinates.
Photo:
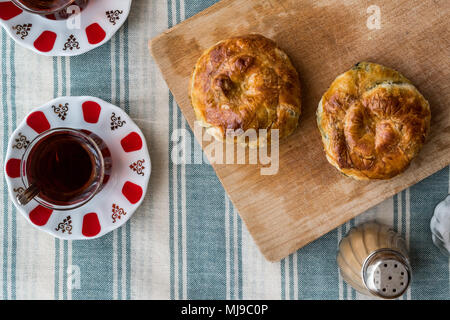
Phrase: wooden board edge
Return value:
(268, 256)
(277, 258)
(153, 46)
(215, 7)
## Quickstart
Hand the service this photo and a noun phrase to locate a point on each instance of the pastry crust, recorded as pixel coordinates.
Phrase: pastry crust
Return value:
(373, 122)
(244, 83)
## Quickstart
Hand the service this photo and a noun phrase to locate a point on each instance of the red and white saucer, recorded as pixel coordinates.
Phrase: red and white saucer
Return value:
(98, 23)
(127, 184)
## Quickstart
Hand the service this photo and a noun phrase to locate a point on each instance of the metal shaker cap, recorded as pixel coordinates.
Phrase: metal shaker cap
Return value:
(386, 273)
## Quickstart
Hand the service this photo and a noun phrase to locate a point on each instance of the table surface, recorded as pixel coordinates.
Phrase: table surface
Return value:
(186, 241)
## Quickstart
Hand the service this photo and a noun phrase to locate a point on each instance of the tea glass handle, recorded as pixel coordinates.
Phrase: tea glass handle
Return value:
(28, 195)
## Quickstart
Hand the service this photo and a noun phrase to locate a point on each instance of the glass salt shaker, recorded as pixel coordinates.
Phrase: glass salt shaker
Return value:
(440, 226)
(374, 260)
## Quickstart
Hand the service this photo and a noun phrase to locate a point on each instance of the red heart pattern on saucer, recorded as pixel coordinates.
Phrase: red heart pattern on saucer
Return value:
(127, 183)
(97, 24)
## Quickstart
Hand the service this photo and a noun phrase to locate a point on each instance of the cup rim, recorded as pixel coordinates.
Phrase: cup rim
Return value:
(42, 12)
(49, 205)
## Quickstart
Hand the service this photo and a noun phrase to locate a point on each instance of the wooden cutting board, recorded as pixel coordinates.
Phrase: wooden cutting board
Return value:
(308, 197)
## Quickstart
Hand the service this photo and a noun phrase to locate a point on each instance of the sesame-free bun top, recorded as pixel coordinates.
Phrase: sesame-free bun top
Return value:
(373, 122)
(244, 83)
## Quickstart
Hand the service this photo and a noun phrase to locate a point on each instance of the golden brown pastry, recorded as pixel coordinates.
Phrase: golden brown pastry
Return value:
(373, 122)
(244, 83)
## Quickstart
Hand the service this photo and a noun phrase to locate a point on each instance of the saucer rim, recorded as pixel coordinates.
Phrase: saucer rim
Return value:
(105, 229)
(60, 53)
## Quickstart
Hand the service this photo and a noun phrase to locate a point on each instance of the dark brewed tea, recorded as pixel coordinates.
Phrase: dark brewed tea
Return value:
(63, 167)
(45, 5)
(52, 9)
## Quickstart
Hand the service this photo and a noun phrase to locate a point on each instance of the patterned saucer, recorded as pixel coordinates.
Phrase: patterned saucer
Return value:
(127, 184)
(98, 23)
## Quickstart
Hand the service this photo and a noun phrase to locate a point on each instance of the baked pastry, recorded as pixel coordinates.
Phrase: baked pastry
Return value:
(373, 122)
(244, 83)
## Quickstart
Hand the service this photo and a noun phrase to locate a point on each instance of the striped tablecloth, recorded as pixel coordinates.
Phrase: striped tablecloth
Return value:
(186, 241)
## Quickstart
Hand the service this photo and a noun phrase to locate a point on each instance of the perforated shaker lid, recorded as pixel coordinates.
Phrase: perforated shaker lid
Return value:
(386, 273)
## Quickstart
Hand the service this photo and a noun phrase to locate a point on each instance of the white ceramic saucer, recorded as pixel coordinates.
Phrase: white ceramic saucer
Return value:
(98, 23)
(127, 184)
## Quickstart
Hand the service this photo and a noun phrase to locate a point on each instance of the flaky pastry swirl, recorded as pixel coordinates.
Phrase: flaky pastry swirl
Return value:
(244, 83)
(373, 122)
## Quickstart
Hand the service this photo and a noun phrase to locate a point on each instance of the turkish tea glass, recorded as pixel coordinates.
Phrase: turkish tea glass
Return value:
(52, 9)
(64, 168)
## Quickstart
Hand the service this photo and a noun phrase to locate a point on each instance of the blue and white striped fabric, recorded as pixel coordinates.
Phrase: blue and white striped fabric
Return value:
(187, 240)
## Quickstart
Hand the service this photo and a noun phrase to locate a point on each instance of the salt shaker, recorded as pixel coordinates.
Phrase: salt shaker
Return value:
(374, 260)
(440, 226)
